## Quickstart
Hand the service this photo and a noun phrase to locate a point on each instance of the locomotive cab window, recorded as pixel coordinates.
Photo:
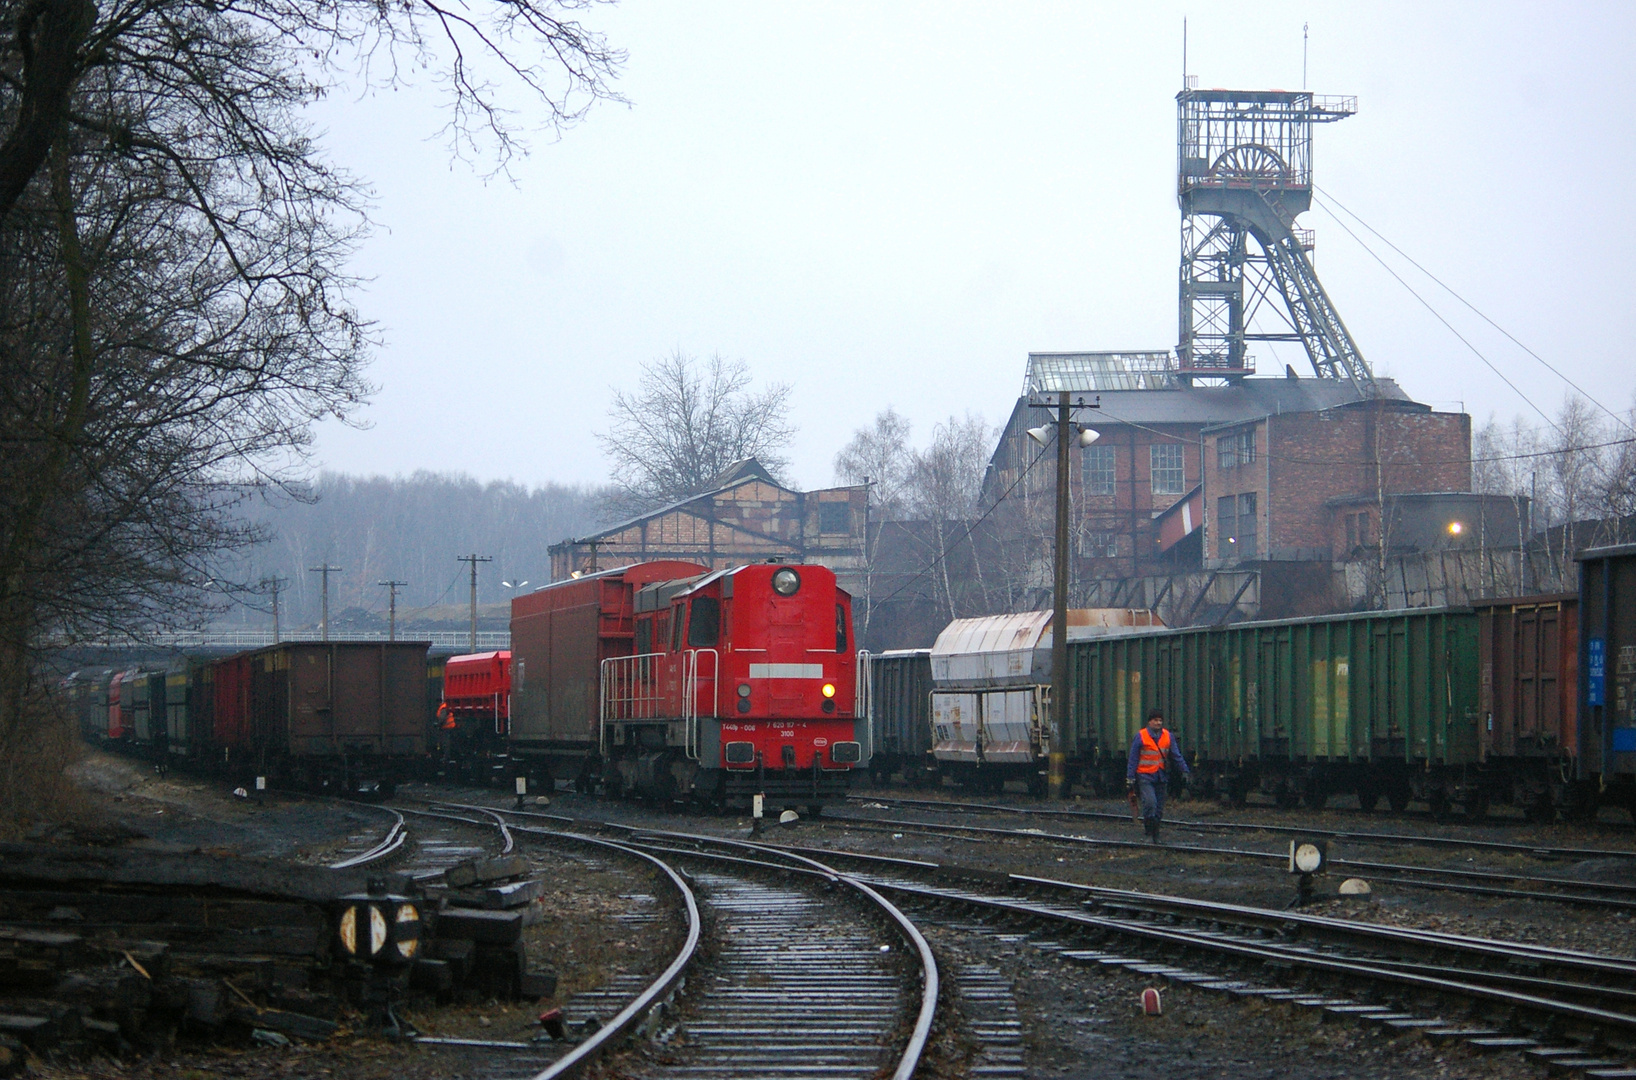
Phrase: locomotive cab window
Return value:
(676, 628)
(840, 628)
(644, 636)
(704, 622)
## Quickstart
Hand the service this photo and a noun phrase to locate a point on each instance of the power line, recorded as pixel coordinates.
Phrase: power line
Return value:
(1437, 315)
(1450, 290)
(930, 566)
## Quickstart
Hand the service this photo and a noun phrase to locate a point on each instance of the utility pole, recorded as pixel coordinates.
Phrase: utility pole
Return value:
(326, 570)
(1057, 778)
(392, 607)
(273, 585)
(1061, 731)
(474, 559)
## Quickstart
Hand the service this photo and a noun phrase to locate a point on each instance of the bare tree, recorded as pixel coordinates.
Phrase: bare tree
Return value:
(174, 303)
(880, 457)
(686, 421)
(945, 481)
(202, 51)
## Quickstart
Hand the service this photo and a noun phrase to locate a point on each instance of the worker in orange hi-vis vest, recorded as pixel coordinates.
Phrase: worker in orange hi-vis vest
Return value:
(1152, 755)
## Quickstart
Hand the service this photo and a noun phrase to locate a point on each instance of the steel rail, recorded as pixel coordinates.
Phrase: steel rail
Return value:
(1296, 830)
(621, 1023)
(1628, 891)
(1186, 905)
(392, 841)
(1625, 1022)
(649, 998)
(928, 963)
(1278, 921)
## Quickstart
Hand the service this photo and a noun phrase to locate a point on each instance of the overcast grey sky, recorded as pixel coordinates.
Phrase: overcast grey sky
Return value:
(892, 204)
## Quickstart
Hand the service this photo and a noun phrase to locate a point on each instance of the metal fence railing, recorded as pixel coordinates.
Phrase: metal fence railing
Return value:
(256, 639)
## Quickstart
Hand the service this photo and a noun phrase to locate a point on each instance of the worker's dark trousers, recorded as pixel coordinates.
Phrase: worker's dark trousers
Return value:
(1150, 795)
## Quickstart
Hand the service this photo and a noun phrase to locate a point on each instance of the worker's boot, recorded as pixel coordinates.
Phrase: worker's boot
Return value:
(1151, 827)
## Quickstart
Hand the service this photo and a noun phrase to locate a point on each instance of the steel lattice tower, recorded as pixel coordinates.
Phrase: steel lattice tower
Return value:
(1244, 174)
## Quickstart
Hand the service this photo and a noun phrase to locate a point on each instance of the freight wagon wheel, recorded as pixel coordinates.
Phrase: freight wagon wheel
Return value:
(1315, 794)
(1438, 800)
(1368, 797)
(1476, 806)
(1397, 797)
(1286, 797)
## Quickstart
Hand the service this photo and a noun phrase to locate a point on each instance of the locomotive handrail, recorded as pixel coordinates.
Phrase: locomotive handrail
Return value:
(618, 679)
(863, 699)
(690, 697)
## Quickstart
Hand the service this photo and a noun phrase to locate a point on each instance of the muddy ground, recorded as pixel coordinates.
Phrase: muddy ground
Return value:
(1081, 1022)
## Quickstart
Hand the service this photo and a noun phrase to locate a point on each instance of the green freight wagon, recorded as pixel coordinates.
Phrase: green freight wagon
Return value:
(1373, 704)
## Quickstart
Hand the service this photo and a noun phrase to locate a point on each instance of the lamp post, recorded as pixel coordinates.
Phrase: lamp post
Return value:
(1061, 731)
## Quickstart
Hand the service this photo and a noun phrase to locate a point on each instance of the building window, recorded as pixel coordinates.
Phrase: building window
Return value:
(1236, 526)
(835, 517)
(1168, 476)
(1357, 531)
(1246, 526)
(1098, 545)
(1096, 470)
(1235, 449)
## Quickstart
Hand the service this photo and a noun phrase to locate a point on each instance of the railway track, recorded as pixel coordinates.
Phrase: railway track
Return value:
(1544, 851)
(790, 989)
(1493, 995)
(1572, 1010)
(1479, 882)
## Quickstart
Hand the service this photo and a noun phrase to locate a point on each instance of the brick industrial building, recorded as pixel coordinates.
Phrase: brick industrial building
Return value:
(1284, 477)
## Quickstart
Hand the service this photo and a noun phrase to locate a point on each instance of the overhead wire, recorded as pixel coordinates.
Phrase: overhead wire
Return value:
(970, 528)
(1478, 353)
(1623, 422)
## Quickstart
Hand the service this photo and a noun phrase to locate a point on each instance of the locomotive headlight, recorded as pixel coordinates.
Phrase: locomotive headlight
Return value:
(743, 689)
(829, 689)
(786, 582)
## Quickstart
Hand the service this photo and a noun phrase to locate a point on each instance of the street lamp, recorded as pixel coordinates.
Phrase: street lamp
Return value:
(1056, 778)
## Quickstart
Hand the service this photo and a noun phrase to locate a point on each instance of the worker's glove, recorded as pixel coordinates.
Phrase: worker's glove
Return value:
(1130, 785)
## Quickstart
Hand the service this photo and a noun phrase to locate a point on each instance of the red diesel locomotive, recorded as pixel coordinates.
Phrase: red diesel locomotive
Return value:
(669, 681)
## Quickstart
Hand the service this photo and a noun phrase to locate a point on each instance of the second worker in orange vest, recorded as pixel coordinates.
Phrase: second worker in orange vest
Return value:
(1153, 753)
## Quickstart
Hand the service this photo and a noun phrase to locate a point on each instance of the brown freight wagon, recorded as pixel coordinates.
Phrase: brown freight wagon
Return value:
(1527, 698)
(321, 714)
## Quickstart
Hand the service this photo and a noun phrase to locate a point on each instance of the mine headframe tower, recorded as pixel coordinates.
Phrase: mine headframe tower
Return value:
(1244, 174)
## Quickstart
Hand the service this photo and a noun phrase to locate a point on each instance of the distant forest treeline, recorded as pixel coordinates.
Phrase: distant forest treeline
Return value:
(408, 529)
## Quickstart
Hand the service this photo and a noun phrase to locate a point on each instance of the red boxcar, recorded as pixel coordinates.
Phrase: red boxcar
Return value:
(669, 680)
